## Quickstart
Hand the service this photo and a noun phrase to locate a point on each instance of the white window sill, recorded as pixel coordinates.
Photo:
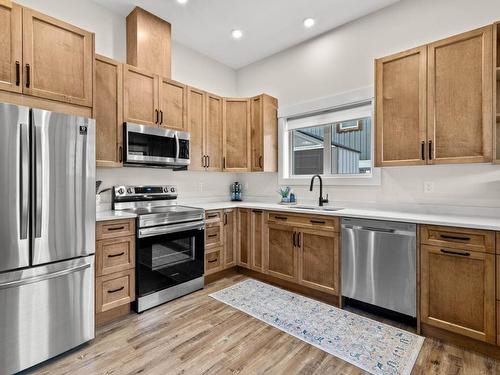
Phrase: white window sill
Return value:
(374, 179)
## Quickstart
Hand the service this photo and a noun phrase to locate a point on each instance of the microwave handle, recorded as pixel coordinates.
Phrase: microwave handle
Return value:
(177, 151)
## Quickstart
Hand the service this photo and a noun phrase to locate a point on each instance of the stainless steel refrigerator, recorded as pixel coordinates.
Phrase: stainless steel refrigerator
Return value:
(47, 234)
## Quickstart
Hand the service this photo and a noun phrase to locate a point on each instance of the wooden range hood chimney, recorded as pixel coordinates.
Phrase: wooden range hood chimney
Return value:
(149, 42)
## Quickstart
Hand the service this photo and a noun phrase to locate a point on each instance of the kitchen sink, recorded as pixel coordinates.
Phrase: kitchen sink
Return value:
(316, 208)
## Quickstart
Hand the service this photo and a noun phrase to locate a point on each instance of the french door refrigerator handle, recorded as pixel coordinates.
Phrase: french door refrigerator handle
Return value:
(38, 181)
(35, 279)
(24, 180)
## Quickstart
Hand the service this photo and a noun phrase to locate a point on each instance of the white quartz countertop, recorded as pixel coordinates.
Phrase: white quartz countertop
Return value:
(113, 215)
(466, 220)
(408, 216)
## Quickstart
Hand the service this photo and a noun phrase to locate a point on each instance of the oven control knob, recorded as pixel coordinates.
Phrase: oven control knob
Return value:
(165, 190)
(129, 191)
(172, 190)
(121, 191)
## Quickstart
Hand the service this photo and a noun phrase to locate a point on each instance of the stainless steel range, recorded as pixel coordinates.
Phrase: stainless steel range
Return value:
(170, 243)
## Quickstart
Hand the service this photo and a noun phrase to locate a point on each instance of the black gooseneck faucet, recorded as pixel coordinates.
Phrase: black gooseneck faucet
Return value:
(321, 199)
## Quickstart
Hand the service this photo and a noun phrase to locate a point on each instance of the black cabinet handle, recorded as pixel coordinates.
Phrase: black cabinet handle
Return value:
(212, 235)
(18, 73)
(161, 117)
(422, 150)
(157, 114)
(281, 217)
(317, 222)
(459, 238)
(203, 161)
(213, 261)
(225, 218)
(116, 228)
(211, 216)
(430, 149)
(299, 239)
(120, 154)
(293, 239)
(208, 161)
(464, 254)
(224, 162)
(28, 78)
(257, 211)
(116, 290)
(260, 162)
(116, 255)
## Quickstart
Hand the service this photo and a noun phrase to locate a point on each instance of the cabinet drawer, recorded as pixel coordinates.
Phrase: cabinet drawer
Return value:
(114, 290)
(213, 237)
(306, 221)
(114, 255)
(115, 228)
(213, 261)
(212, 217)
(458, 238)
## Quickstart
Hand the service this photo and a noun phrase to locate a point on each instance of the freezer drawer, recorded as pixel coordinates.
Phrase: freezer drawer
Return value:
(379, 263)
(45, 311)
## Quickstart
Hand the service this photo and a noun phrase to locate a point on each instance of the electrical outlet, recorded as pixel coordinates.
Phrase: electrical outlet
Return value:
(428, 187)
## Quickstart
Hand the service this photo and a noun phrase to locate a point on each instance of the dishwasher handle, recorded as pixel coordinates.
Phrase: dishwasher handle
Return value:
(379, 230)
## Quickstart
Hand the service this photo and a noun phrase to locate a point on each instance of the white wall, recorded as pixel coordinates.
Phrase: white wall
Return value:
(342, 60)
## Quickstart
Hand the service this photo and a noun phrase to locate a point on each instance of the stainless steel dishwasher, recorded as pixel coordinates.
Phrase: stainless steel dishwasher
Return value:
(379, 263)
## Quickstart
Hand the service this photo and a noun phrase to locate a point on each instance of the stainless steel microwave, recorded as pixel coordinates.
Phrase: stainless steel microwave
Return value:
(155, 147)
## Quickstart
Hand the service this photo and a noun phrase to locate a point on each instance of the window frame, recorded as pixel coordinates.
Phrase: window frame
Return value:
(285, 143)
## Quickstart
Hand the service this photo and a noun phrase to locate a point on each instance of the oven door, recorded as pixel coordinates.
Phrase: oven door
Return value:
(169, 255)
(149, 145)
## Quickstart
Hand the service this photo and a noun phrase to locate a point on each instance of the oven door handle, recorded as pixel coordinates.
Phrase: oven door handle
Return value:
(156, 231)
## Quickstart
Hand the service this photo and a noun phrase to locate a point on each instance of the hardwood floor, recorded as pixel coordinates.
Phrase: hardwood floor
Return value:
(199, 335)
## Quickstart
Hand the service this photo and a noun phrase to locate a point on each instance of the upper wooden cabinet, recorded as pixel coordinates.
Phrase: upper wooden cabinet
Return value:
(236, 147)
(196, 100)
(264, 133)
(204, 117)
(140, 97)
(11, 48)
(108, 112)
(459, 98)
(452, 121)
(496, 91)
(58, 59)
(401, 90)
(46, 58)
(149, 42)
(172, 104)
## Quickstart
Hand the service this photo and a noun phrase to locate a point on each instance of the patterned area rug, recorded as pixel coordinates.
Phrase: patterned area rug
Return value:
(372, 346)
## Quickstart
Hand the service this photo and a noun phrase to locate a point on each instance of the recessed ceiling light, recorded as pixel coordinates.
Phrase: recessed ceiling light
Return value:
(236, 34)
(182, 1)
(309, 22)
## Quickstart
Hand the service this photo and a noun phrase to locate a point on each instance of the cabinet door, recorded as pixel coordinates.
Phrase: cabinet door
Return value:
(257, 149)
(236, 135)
(282, 255)
(213, 133)
(264, 133)
(58, 59)
(108, 112)
(257, 239)
(458, 291)
(140, 97)
(230, 237)
(460, 98)
(319, 260)
(173, 108)
(12, 48)
(244, 237)
(401, 92)
(196, 125)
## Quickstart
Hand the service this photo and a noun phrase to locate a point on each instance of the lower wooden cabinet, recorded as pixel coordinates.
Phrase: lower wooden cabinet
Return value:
(213, 261)
(114, 269)
(257, 225)
(244, 237)
(230, 237)
(457, 289)
(282, 253)
(319, 260)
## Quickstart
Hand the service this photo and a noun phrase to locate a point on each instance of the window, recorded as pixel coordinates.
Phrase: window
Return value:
(333, 143)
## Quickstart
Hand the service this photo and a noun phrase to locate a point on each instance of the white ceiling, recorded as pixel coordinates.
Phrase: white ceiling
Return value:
(269, 26)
